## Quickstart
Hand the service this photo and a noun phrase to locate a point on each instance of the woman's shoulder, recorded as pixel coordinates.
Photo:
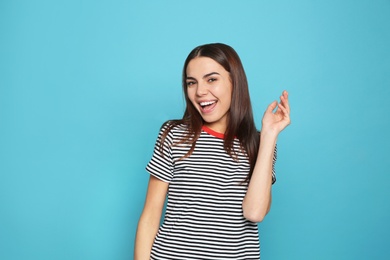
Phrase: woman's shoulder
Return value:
(174, 126)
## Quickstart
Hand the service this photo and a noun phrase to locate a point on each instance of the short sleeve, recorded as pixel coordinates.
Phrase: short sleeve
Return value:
(161, 163)
(273, 164)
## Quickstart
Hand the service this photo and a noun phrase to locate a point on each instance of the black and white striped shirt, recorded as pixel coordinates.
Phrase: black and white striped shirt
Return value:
(203, 218)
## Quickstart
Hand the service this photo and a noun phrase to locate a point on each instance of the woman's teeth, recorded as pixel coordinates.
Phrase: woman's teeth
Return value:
(207, 103)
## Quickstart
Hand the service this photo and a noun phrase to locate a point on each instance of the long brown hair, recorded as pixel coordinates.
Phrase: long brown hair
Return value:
(240, 120)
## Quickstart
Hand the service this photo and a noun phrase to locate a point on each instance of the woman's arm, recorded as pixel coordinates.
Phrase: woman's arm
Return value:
(257, 201)
(149, 221)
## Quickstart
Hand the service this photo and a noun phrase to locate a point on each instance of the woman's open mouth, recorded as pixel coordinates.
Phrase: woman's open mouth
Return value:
(207, 106)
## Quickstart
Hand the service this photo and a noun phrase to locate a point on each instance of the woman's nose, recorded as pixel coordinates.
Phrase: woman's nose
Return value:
(202, 89)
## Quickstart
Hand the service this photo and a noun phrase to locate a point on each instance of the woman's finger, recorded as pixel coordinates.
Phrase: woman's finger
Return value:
(285, 112)
(271, 107)
(284, 100)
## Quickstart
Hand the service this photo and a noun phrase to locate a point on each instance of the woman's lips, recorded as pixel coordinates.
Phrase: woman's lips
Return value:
(207, 106)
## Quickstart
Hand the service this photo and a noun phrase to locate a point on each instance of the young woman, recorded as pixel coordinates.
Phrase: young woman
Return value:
(213, 164)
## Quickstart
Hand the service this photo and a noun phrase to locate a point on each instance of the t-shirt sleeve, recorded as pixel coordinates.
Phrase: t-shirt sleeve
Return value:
(161, 163)
(273, 164)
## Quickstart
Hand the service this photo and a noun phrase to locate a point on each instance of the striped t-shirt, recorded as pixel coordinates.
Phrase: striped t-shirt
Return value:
(203, 218)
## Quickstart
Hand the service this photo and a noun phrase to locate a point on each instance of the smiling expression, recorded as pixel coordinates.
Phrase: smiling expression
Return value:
(209, 89)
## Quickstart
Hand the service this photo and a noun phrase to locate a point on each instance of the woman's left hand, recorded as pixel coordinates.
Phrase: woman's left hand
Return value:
(275, 122)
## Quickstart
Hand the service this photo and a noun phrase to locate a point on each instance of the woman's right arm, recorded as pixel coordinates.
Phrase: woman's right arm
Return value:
(149, 221)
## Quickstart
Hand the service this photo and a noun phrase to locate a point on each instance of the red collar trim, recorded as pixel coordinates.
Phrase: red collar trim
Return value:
(212, 132)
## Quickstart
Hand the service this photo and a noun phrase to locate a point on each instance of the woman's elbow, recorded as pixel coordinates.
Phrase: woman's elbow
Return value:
(257, 216)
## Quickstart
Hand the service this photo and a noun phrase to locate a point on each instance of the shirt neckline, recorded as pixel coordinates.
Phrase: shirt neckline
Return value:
(212, 132)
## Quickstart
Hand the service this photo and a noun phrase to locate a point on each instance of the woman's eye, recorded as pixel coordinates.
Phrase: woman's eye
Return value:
(210, 80)
(190, 83)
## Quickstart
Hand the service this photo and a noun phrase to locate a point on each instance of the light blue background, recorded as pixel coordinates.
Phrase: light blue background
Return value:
(85, 86)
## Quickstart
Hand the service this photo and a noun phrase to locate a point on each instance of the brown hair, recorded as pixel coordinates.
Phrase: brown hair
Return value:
(240, 120)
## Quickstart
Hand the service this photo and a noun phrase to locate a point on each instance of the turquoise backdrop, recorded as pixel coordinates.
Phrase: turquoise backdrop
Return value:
(85, 86)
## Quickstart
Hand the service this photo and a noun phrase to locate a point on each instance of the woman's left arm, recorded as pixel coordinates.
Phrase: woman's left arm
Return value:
(257, 201)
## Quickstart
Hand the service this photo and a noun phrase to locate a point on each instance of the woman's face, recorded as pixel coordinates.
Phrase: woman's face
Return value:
(209, 89)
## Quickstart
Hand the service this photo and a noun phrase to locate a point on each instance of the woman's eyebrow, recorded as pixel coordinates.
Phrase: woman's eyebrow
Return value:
(191, 78)
(205, 76)
(209, 74)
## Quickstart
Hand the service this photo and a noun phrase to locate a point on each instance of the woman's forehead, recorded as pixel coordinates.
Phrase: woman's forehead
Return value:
(201, 66)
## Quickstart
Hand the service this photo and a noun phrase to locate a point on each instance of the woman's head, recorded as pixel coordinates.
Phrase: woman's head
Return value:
(229, 60)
